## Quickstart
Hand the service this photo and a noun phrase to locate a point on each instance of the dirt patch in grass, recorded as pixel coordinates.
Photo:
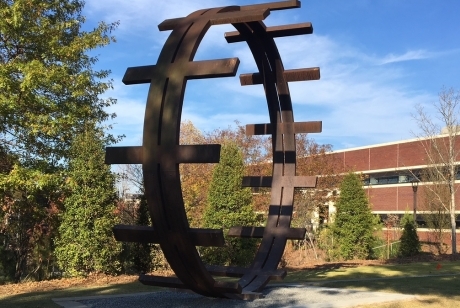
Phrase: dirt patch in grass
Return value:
(64, 283)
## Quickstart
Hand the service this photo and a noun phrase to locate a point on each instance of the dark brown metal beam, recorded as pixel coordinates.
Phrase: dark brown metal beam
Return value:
(255, 14)
(274, 6)
(238, 271)
(173, 282)
(145, 234)
(285, 128)
(275, 31)
(301, 74)
(123, 155)
(213, 68)
(258, 232)
(161, 281)
(196, 153)
(196, 70)
(285, 181)
(257, 181)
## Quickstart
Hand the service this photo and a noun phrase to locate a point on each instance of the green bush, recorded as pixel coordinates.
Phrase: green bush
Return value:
(229, 205)
(410, 243)
(354, 225)
(86, 243)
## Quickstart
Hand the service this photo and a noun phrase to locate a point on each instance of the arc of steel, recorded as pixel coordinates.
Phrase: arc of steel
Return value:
(161, 154)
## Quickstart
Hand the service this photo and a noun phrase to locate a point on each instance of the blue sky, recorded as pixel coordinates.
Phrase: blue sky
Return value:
(378, 59)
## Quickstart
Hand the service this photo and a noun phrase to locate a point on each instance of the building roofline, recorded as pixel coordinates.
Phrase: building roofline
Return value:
(387, 144)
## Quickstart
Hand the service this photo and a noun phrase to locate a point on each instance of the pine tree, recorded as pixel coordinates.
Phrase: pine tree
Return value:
(86, 243)
(410, 243)
(229, 205)
(142, 258)
(354, 225)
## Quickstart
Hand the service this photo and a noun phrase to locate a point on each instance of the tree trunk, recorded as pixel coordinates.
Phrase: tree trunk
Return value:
(453, 224)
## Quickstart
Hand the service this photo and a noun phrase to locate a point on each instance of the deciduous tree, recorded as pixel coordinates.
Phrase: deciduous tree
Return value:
(48, 86)
(442, 152)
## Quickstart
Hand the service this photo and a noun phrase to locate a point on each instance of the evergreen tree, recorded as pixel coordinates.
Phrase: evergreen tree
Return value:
(354, 225)
(410, 244)
(142, 258)
(229, 205)
(86, 243)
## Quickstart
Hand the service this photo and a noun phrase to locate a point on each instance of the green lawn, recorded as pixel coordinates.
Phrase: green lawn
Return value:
(438, 287)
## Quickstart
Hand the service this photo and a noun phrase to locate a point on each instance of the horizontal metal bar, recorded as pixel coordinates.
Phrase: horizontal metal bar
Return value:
(193, 70)
(212, 68)
(161, 281)
(233, 17)
(273, 6)
(237, 17)
(196, 153)
(146, 234)
(297, 181)
(257, 181)
(227, 286)
(207, 237)
(169, 24)
(258, 232)
(138, 74)
(246, 232)
(123, 155)
(286, 181)
(301, 74)
(182, 154)
(237, 271)
(285, 128)
(275, 31)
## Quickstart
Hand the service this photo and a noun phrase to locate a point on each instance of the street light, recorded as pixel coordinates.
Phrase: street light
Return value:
(414, 189)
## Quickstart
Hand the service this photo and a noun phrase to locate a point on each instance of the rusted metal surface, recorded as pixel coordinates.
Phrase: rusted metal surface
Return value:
(161, 154)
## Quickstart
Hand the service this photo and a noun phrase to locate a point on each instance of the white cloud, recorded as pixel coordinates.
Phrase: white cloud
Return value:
(360, 100)
(408, 56)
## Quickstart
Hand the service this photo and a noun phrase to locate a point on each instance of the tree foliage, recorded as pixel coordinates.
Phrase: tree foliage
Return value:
(229, 205)
(354, 225)
(30, 204)
(47, 81)
(86, 243)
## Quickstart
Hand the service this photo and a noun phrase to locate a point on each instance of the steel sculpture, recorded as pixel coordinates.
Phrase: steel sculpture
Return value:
(161, 154)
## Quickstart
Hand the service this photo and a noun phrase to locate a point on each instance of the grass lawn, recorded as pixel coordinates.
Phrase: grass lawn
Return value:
(437, 284)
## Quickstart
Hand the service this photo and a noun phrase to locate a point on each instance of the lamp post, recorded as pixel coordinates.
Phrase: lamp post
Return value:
(414, 189)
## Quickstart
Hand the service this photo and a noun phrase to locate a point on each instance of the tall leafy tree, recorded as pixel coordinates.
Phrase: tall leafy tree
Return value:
(48, 86)
(86, 243)
(354, 225)
(229, 205)
(48, 90)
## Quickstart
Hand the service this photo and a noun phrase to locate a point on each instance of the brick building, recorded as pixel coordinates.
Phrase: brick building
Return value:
(391, 170)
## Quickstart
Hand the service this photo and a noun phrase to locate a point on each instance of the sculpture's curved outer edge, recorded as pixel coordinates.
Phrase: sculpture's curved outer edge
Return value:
(161, 153)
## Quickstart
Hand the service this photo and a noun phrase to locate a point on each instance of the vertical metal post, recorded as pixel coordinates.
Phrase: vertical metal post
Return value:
(414, 189)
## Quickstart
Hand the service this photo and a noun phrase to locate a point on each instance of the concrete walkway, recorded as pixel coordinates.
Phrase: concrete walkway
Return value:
(292, 295)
